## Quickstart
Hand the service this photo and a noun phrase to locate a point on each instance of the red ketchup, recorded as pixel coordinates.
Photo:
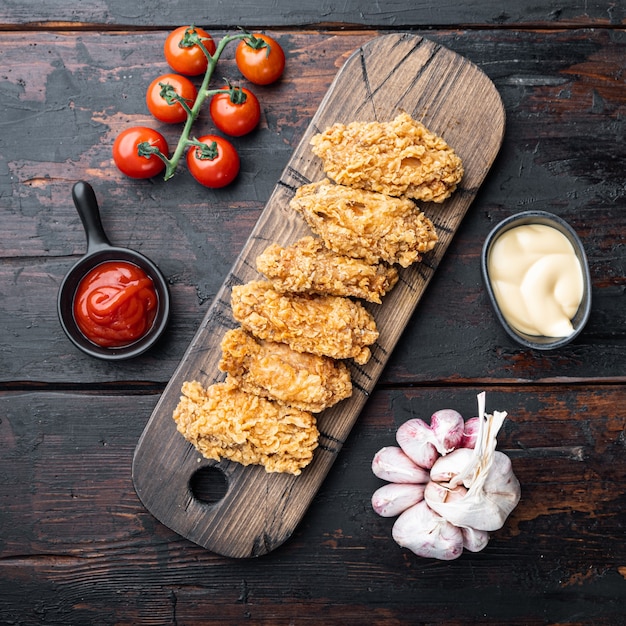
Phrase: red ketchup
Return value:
(115, 304)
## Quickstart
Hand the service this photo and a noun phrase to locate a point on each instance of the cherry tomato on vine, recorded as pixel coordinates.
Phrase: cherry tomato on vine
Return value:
(236, 111)
(133, 152)
(182, 52)
(260, 59)
(163, 97)
(215, 164)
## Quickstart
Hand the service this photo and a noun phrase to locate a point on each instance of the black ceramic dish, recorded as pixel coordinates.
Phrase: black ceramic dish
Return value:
(582, 315)
(99, 250)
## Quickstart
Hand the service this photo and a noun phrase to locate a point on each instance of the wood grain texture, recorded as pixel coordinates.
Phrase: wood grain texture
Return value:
(312, 13)
(259, 511)
(77, 546)
(566, 104)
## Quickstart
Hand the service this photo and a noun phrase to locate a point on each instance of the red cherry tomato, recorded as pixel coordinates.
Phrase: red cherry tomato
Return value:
(133, 152)
(163, 94)
(214, 165)
(236, 111)
(182, 52)
(260, 59)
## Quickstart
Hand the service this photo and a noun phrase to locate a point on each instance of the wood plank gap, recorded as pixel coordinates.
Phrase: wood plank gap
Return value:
(113, 388)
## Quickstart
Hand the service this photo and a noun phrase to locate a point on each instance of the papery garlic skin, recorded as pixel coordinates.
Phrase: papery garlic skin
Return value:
(487, 508)
(443, 492)
(393, 498)
(427, 534)
(392, 464)
(448, 468)
(493, 490)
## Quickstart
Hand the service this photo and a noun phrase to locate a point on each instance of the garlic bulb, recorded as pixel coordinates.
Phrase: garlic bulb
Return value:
(448, 484)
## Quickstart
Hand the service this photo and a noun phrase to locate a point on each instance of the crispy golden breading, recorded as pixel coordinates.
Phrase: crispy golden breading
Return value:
(365, 224)
(326, 325)
(224, 422)
(397, 158)
(308, 266)
(305, 381)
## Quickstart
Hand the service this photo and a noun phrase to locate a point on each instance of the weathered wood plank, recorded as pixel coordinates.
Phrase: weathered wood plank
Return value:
(69, 518)
(77, 546)
(564, 96)
(312, 13)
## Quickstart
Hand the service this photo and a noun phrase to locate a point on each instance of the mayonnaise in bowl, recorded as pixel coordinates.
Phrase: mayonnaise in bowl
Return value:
(536, 274)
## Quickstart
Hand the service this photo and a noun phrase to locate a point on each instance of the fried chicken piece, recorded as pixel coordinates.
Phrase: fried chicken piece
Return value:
(224, 422)
(308, 266)
(397, 158)
(365, 224)
(325, 325)
(305, 381)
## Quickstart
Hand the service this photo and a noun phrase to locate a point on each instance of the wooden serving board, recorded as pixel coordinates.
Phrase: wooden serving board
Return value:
(259, 511)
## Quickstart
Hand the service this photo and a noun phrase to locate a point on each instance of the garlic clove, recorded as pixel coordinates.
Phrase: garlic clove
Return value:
(474, 540)
(452, 467)
(447, 426)
(393, 465)
(394, 498)
(470, 433)
(443, 492)
(427, 534)
(417, 440)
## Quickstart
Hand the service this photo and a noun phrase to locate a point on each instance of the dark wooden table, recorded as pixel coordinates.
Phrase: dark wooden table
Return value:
(76, 544)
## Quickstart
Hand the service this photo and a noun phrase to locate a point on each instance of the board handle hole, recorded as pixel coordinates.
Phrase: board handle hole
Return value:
(209, 485)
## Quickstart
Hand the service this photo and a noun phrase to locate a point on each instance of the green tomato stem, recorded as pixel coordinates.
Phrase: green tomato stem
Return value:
(204, 92)
(168, 93)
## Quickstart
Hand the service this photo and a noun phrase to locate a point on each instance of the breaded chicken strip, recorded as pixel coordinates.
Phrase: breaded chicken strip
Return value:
(364, 224)
(308, 266)
(397, 158)
(224, 422)
(273, 370)
(326, 325)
